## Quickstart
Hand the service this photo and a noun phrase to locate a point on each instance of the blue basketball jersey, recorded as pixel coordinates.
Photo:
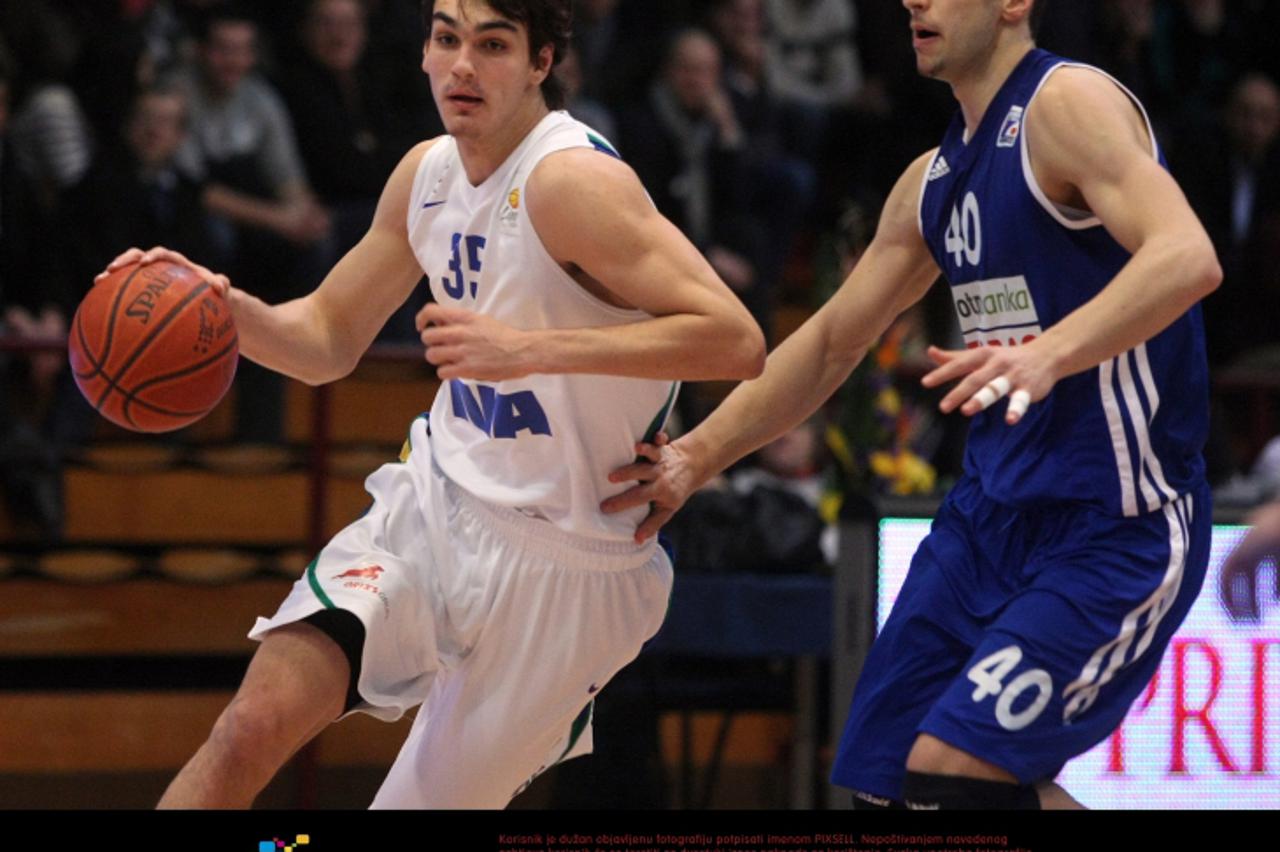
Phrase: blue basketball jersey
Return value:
(1124, 436)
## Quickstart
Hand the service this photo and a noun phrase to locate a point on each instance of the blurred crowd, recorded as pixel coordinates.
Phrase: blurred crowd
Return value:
(256, 137)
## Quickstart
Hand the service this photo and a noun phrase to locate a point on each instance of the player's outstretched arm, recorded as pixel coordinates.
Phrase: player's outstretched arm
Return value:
(1088, 144)
(592, 215)
(801, 373)
(321, 336)
(1239, 582)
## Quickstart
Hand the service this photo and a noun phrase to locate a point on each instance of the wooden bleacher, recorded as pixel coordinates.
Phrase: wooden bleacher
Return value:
(151, 577)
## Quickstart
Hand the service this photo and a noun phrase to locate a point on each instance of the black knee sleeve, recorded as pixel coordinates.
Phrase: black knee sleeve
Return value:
(347, 630)
(924, 791)
(867, 802)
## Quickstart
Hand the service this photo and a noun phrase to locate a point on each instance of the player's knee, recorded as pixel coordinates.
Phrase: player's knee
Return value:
(932, 756)
(927, 791)
(250, 730)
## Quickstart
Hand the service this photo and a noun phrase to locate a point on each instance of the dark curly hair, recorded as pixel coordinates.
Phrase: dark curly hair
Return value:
(547, 22)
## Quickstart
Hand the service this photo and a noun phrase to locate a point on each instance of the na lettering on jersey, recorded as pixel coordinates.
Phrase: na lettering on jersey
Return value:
(496, 414)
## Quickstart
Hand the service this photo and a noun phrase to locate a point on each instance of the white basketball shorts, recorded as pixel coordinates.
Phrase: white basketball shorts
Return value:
(502, 626)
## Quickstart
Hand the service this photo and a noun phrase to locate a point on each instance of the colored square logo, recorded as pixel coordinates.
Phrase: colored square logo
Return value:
(303, 839)
(266, 846)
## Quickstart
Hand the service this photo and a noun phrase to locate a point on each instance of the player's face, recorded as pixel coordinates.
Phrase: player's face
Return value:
(951, 37)
(480, 68)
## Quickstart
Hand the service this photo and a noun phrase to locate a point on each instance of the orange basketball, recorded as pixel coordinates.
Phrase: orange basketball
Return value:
(153, 348)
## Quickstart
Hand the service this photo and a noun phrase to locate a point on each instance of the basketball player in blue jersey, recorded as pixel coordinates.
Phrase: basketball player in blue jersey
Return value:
(1059, 566)
(484, 583)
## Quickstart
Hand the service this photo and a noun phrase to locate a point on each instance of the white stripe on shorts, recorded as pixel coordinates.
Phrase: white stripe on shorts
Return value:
(1093, 677)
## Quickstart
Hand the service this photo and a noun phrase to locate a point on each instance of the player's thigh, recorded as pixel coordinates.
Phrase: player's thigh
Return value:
(379, 569)
(518, 703)
(1057, 671)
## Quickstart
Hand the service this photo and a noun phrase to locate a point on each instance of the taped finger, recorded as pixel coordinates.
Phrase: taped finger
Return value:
(1019, 401)
(992, 391)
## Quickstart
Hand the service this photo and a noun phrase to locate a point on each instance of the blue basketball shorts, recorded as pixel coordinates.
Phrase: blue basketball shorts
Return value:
(1022, 636)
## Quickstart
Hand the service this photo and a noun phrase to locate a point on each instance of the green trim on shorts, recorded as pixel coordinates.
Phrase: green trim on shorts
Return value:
(661, 417)
(315, 585)
(579, 727)
(407, 449)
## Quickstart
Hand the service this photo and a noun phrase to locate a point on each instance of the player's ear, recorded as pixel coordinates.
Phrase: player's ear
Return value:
(1016, 12)
(542, 63)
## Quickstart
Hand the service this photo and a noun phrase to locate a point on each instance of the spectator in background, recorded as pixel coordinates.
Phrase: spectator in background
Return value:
(687, 146)
(839, 115)
(615, 42)
(242, 139)
(395, 39)
(586, 109)
(350, 135)
(270, 230)
(1232, 179)
(1126, 50)
(595, 38)
(812, 56)
(50, 135)
(137, 195)
(782, 142)
(32, 307)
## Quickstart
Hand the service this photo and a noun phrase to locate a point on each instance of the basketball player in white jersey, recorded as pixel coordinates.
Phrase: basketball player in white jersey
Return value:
(484, 583)
(1061, 563)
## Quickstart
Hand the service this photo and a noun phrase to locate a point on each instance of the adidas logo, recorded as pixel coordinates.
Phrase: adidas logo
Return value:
(939, 169)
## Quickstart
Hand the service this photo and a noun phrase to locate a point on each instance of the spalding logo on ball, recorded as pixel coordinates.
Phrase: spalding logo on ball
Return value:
(153, 348)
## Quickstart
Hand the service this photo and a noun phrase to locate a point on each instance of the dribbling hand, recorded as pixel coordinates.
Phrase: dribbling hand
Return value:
(220, 283)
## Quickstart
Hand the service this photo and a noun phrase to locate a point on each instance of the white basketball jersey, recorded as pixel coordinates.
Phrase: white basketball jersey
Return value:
(544, 444)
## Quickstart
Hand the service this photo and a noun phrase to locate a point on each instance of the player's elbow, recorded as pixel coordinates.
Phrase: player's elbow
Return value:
(748, 352)
(1210, 273)
(315, 378)
(1200, 266)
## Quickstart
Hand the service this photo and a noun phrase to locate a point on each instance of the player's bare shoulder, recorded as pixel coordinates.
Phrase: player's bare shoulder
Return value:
(1081, 122)
(582, 194)
(399, 188)
(900, 219)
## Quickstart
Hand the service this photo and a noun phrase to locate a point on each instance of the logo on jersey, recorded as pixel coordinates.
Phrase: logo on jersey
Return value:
(365, 580)
(939, 169)
(996, 312)
(498, 415)
(511, 208)
(370, 573)
(602, 146)
(275, 844)
(1010, 129)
